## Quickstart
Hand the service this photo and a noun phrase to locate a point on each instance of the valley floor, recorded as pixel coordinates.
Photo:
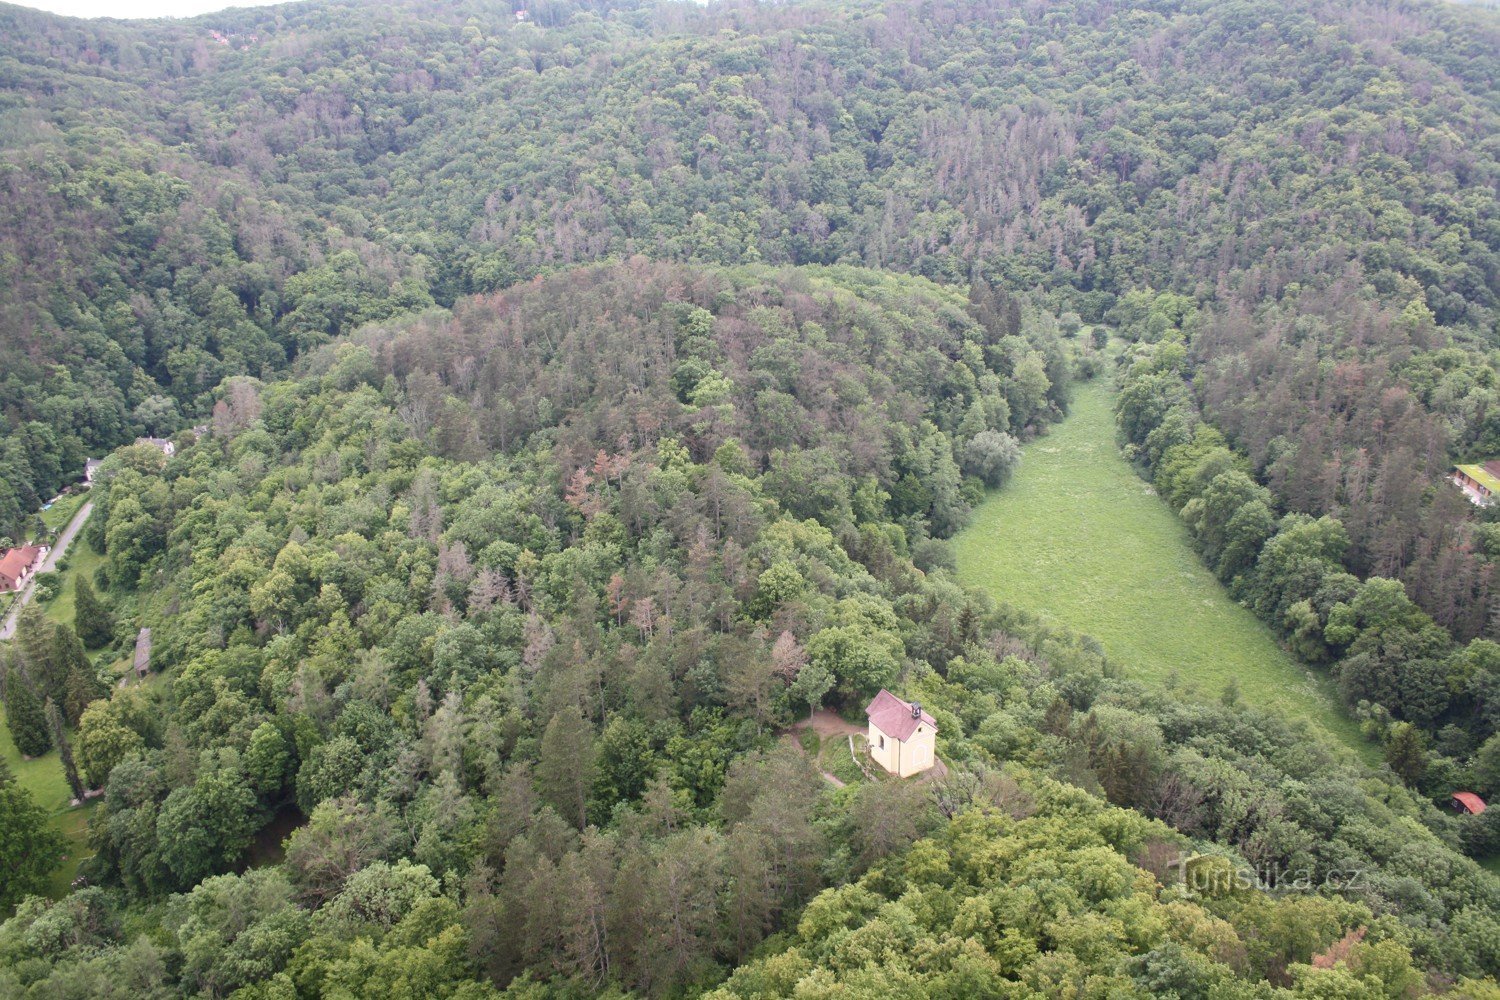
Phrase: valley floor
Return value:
(1080, 538)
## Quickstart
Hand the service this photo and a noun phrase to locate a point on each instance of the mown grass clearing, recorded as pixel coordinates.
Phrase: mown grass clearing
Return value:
(80, 559)
(43, 778)
(1078, 537)
(60, 513)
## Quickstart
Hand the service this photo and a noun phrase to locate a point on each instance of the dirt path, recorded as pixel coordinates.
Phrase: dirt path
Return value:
(828, 726)
(49, 564)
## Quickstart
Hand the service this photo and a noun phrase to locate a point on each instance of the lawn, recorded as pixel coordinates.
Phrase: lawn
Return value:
(1078, 537)
(80, 558)
(43, 778)
(60, 513)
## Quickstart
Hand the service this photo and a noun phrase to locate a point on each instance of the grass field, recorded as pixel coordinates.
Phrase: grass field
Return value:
(60, 513)
(1078, 537)
(43, 778)
(81, 558)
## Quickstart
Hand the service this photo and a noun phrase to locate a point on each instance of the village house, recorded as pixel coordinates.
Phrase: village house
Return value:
(91, 468)
(162, 445)
(18, 566)
(903, 738)
(1480, 483)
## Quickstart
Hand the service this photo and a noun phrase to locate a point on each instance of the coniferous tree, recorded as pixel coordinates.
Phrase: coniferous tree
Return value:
(565, 771)
(24, 715)
(29, 847)
(64, 749)
(82, 689)
(40, 652)
(1405, 754)
(93, 621)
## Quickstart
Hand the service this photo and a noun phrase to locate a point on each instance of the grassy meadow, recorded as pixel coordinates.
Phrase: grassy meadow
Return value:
(43, 776)
(81, 559)
(1080, 538)
(60, 513)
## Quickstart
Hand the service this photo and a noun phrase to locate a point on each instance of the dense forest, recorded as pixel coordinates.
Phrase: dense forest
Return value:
(511, 601)
(589, 394)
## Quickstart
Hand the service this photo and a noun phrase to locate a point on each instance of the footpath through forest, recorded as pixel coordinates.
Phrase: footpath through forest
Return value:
(1080, 538)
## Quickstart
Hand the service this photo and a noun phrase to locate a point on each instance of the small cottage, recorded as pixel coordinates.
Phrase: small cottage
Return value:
(1468, 802)
(18, 566)
(903, 738)
(91, 468)
(1480, 483)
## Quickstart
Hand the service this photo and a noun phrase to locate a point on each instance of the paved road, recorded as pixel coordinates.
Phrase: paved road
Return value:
(48, 564)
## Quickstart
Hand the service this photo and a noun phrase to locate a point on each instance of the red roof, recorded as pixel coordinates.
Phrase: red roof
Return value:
(893, 716)
(17, 561)
(1470, 802)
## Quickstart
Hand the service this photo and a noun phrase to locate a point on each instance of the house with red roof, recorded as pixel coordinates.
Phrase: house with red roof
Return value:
(903, 738)
(1468, 802)
(17, 566)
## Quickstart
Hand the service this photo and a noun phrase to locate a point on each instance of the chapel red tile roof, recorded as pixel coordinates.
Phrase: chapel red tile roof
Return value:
(894, 717)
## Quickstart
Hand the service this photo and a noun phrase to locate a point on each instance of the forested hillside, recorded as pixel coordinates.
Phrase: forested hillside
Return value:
(590, 395)
(205, 198)
(512, 601)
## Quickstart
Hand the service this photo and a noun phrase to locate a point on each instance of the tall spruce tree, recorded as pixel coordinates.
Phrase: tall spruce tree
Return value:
(93, 621)
(24, 714)
(565, 772)
(64, 748)
(29, 847)
(40, 653)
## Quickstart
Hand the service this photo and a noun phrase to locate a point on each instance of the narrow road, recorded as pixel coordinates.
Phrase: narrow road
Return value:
(49, 564)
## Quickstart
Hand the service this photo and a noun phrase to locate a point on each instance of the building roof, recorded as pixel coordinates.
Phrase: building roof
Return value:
(1469, 801)
(17, 561)
(143, 650)
(1481, 475)
(894, 717)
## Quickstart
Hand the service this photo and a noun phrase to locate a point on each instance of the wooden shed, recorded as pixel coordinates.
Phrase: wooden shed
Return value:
(1468, 802)
(143, 653)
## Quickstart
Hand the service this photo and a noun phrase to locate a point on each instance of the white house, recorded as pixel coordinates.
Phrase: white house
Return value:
(162, 445)
(903, 738)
